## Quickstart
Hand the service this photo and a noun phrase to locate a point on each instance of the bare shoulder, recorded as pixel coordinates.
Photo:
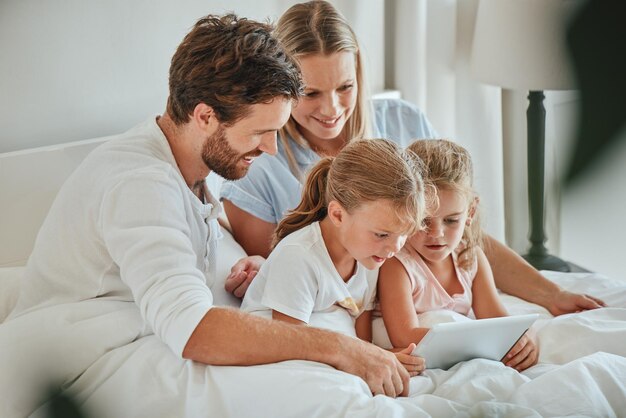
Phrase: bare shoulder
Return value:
(392, 273)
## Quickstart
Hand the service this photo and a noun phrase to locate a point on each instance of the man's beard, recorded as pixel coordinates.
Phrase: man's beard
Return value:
(222, 159)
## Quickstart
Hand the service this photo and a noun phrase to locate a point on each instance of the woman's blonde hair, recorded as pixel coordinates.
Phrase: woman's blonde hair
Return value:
(449, 166)
(312, 28)
(364, 171)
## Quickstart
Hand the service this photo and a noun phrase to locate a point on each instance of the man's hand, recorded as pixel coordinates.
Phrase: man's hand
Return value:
(413, 364)
(564, 302)
(242, 274)
(380, 369)
(524, 353)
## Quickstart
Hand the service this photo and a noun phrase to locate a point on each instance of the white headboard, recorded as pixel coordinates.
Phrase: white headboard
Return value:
(29, 182)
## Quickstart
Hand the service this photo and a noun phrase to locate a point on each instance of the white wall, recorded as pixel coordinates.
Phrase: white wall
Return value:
(593, 218)
(585, 221)
(78, 69)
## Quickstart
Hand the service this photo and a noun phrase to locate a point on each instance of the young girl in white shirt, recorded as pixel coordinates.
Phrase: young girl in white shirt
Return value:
(357, 210)
(443, 265)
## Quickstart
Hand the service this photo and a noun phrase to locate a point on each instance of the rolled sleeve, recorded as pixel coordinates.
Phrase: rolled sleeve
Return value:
(145, 229)
(247, 198)
(292, 283)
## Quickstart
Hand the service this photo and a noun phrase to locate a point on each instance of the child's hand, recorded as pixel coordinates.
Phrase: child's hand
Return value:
(414, 365)
(523, 354)
(242, 274)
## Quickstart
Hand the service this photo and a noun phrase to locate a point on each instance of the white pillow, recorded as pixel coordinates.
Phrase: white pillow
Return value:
(9, 289)
(228, 253)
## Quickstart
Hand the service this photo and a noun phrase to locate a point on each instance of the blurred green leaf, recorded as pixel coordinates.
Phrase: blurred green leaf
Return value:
(597, 41)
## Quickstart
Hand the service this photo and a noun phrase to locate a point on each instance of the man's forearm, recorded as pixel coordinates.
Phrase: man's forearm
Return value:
(231, 337)
(513, 275)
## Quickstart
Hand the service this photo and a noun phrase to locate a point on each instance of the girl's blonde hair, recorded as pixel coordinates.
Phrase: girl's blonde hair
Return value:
(312, 28)
(364, 171)
(449, 166)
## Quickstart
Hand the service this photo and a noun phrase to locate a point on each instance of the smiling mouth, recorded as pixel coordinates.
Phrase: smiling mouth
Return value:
(248, 158)
(328, 122)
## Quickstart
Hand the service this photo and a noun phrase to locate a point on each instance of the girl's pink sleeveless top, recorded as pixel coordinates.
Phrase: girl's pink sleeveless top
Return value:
(427, 292)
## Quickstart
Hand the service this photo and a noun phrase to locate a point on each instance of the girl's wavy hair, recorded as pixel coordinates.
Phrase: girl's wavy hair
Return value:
(229, 63)
(449, 166)
(364, 171)
(313, 28)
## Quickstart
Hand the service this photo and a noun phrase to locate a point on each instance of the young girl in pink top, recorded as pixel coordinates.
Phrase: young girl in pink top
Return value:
(443, 266)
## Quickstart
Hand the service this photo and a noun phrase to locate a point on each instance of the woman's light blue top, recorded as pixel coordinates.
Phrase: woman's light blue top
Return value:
(270, 189)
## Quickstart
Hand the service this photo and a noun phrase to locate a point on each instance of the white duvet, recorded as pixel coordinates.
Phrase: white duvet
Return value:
(121, 370)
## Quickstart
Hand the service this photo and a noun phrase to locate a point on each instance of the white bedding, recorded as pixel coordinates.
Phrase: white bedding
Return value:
(99, 351)
(123, 370)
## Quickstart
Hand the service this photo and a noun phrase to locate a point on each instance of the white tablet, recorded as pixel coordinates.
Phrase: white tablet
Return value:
(451, 342)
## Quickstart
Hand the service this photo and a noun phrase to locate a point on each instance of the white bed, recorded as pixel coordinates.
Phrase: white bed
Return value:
(124, 371)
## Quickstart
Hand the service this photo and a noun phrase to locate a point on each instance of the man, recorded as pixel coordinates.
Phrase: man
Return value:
(135, 223)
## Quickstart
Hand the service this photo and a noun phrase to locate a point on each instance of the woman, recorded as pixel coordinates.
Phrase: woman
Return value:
(334, 111)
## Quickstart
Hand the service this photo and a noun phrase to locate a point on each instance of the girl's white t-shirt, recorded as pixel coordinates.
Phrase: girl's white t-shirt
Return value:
(300, 280)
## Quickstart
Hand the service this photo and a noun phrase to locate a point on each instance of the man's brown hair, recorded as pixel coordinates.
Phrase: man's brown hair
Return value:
(229, 63)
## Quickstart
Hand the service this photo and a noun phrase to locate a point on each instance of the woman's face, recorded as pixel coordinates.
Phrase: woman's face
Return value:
(330, 96)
